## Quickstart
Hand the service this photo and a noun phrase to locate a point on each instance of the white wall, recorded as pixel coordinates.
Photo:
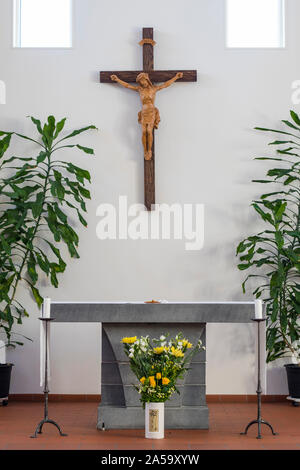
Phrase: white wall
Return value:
(204, 149)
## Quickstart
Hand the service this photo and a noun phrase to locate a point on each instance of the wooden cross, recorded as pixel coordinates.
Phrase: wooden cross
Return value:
(155, 76)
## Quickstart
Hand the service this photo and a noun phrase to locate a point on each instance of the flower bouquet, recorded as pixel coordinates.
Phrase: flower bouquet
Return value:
(158, 364)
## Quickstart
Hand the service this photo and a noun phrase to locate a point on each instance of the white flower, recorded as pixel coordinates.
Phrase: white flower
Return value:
(162, 338)
(164, 343)
(131, 355)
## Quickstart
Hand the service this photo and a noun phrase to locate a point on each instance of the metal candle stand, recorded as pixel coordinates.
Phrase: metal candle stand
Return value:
(259, 421)
(46, 389)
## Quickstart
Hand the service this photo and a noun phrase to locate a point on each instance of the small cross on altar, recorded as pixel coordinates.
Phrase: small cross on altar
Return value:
(149, 116)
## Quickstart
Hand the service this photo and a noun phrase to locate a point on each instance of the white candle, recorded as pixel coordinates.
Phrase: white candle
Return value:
(258, 309)
(2, 353)
(44, 340)
(46, 307)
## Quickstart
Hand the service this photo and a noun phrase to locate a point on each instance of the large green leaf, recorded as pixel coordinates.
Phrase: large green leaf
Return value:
(31, 268)
(59, 127)
(48, 131)
(37, 296)
(4, 144)
(295, 117)
(42, 156)
(37, 123)
(86, 149)
(79, 131)
(56, 251)
(60, 214)
(80, 173)
(43, 263)
(276, 131)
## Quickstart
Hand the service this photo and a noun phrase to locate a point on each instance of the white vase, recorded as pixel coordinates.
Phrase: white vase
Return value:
(155, 420)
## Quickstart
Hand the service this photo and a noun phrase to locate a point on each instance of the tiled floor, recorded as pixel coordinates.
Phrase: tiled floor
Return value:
(18, 421)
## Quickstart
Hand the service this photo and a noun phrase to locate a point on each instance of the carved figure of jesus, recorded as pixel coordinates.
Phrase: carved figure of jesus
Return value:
(148, 117)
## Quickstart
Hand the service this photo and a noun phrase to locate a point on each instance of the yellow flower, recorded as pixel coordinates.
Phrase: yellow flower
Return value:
(152, 381)
(177, 352)
(186, 344)
(129, 340)
(158, 375)
(158, 350)
(165, 381)
(167, 348)
(142, 380)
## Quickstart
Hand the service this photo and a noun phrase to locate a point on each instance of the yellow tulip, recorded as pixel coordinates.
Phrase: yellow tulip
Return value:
(142, 380)
(177, 352)
(158, 375)
(130, 340)
(152, 381)
(158, 350)
(165, 381)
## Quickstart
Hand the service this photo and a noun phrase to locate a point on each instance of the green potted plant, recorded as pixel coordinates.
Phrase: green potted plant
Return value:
(35, 193)
(158, 364)
(273, 255)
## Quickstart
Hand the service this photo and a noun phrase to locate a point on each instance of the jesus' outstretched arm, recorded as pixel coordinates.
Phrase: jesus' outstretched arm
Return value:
(169, 82)
(114, 78)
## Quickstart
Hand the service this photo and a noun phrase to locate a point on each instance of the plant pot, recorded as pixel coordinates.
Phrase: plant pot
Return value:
(155, 420)
(293, 378)
(5, 373)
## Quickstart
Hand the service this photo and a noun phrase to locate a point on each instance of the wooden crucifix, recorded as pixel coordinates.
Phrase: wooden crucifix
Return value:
(149, 115)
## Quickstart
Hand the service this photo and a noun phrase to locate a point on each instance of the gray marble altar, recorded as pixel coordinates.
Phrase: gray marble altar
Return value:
(120, 406)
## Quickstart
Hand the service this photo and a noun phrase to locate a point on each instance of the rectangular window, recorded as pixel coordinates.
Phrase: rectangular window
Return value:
(255, 23)
(43, 23)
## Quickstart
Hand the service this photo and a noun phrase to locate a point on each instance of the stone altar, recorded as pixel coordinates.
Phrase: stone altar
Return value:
(120, 407)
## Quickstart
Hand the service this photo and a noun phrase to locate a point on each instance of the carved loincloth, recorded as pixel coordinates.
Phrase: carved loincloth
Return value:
(150, 117)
